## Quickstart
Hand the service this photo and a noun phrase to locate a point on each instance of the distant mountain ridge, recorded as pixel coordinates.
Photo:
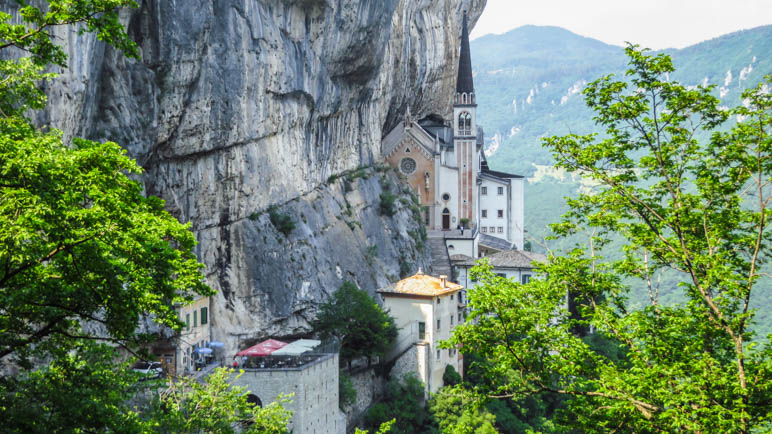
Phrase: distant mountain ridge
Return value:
(529, 81)
(528, 84)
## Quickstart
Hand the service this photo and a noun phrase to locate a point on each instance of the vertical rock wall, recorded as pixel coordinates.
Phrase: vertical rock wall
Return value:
(237, 105)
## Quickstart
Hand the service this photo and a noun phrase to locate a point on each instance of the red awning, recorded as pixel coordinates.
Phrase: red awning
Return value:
(263, 348)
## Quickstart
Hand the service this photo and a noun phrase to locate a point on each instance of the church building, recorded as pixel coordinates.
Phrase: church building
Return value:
(445, 163)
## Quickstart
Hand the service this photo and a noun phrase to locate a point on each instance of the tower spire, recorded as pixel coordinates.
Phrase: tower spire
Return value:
(464, 82)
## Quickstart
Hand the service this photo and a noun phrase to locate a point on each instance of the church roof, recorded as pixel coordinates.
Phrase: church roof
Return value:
(508, 259)
(421, 285)
(435, 126)
(465, 82)
(498, 174)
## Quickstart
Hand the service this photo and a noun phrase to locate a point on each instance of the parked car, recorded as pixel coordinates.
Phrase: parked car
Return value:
(148, 369)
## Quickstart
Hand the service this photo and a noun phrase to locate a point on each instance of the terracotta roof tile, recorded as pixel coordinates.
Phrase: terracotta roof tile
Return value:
(421, 284)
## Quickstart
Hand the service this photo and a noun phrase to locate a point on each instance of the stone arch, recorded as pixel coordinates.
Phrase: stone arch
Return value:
(445, 219)
(254, 400)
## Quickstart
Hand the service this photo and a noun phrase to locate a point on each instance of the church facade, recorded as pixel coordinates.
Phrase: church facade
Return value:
(445, 163)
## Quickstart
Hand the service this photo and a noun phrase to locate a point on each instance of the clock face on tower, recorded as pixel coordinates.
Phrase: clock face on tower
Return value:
(407, 166)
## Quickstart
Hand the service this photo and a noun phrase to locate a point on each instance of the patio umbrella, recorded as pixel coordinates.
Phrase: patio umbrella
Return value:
(203, 351)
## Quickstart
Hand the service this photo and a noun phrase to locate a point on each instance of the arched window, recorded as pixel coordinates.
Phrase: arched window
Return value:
(463, 98)
(465, 123)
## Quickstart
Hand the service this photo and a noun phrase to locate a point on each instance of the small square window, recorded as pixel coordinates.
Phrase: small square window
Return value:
(451, 297)
(438, 354)
(484, 230)
(500, 213)
(483, 191)
(492, 229)
(421, 330)
(438, 324)
(459, 318)
(204, 315)
(501, 229)
(195, 318)
(485, 213)
(451, 319)
(187, 321)
(525, 278)
(501, 190)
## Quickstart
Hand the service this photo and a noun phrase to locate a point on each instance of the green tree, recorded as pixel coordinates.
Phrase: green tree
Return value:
(697, 208)
(458, 412)
(450, 377)
(356, 320)
(84, 255)
(403, 398)
(188, 406)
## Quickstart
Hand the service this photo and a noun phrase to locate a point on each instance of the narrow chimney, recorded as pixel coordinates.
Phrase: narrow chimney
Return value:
(443, 280)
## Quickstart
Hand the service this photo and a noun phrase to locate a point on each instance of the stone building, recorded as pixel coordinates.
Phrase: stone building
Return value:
(196, 334)
(426, 309)
(445, 164)
(307, 370)
(515, 264)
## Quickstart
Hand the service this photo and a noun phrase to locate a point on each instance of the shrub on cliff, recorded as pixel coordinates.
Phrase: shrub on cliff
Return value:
(356, 320)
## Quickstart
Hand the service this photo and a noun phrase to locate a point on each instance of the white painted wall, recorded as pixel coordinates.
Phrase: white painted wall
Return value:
(492, 202)
(517, 214)
(407, 311)
(193, 334)
(448, 183)
(466, 247)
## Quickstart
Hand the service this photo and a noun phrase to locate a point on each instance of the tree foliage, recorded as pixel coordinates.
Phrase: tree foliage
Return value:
(457, 412)
(188, 406)
(403, 398)
(356, 320)
(450, 377)
(700, 209)
(84, 256)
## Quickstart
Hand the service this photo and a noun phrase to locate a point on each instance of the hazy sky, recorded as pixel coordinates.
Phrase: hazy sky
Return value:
(654, 24)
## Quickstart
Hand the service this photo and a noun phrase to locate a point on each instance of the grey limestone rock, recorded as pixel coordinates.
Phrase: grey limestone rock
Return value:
(237, 105)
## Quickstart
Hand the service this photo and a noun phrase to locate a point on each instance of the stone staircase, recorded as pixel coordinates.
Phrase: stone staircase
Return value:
(440, 258)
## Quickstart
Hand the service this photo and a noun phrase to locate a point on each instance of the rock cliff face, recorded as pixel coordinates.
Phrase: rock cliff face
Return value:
(237, 105)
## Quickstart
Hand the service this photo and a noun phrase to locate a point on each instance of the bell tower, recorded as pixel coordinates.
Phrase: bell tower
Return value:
(465, 130)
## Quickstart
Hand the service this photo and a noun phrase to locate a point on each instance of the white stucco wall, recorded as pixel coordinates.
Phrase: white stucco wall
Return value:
(193, 334)
(409, 311)
(517, 214)
(492, 202)
(512, 202)
(448, 183)
(461, 246)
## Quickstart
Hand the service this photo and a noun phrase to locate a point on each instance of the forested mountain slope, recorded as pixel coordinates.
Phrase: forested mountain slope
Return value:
(529, 84)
